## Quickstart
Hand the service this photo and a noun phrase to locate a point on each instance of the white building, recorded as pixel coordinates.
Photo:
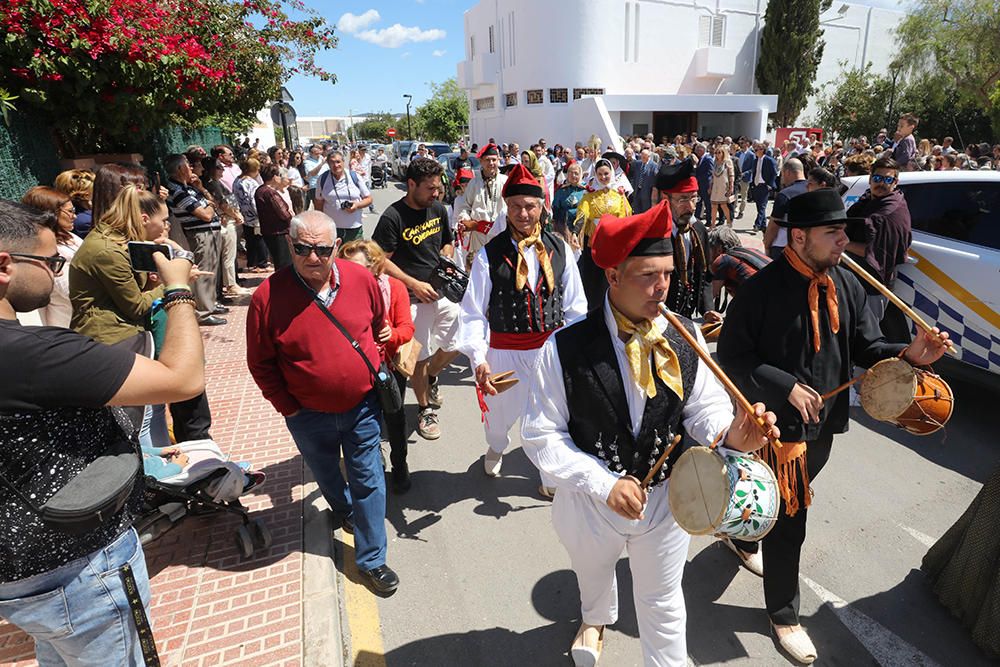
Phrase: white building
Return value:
(567, 69)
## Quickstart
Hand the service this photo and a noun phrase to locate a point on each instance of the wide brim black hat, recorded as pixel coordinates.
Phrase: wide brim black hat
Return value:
(817, 209)
(612, 154)
(670, 175)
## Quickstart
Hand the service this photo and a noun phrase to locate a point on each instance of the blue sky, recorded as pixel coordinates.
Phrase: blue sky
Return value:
(387, 49)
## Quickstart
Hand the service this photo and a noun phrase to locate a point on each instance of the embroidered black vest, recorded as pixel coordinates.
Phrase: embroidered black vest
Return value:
(599, 420)
(533, 309)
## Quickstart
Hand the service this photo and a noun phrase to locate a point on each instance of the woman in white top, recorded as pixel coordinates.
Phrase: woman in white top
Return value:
(297, 189)
(59, 311)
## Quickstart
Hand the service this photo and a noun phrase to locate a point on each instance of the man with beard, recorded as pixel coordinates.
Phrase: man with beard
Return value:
(792, 334)
(524, 285)
(482, 205)
(691, 283)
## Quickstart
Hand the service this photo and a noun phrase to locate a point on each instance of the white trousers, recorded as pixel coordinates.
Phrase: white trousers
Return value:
(657, 549)
(507, 408)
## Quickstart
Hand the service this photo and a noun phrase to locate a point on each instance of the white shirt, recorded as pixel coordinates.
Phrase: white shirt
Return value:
(473, 322)
(758, 179)
(59, 312)
(333, 192)
(483, 202)
(545, 428)
(311, 163)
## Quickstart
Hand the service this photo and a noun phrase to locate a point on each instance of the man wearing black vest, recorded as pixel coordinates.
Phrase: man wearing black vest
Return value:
(611, 392)
(524, 285)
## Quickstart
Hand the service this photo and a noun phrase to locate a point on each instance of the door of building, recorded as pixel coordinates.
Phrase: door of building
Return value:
(671, 123)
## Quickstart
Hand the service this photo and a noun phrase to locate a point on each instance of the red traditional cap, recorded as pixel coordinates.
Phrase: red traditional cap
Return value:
(521, 182)
(488, 149)
(643, 235)
(677, 178)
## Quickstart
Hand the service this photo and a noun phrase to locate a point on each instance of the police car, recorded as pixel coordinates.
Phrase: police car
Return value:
(952, 277)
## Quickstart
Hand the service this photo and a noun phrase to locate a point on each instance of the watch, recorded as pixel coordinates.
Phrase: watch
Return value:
(184, 254)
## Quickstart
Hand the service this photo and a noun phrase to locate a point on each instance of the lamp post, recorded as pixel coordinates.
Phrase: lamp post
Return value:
(409, 130)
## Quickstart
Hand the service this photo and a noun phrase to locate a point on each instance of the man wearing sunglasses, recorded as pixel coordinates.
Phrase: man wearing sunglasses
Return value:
(887, 233)
(62, 587)
(310, 373)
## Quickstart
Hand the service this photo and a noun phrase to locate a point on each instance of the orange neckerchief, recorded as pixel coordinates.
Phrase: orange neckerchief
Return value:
(814, 282)
(523, 242)
(784, 462)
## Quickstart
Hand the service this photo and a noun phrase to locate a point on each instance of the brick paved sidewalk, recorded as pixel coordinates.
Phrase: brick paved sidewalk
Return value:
(209, 607)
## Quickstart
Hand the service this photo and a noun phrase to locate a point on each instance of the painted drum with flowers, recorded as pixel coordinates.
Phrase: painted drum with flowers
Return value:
(723, 492)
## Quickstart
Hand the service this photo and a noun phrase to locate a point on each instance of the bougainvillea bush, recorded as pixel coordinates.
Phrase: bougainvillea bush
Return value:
(105, 73)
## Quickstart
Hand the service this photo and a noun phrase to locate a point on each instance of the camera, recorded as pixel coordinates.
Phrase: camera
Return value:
(345, 205)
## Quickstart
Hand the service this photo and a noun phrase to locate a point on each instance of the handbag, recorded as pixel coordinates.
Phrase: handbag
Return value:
(383, 379)
(449, 280)
(405, 359)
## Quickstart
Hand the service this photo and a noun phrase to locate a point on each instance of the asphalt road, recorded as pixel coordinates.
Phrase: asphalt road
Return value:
(484, 580)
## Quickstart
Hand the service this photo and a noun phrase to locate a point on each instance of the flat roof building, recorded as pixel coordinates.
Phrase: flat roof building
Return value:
(567, 69)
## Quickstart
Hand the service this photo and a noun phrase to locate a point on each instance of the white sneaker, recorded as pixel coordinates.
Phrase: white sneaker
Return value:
(753, 562)
(492, 463)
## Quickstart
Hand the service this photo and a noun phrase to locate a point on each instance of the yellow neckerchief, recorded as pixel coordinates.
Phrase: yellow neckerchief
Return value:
(646, 340)
(815, 280)
(524, 242)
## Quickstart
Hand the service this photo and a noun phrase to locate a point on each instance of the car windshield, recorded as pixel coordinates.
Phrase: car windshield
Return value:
(404, 147)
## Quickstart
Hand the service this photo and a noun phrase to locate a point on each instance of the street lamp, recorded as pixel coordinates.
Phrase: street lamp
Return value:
(409, 130)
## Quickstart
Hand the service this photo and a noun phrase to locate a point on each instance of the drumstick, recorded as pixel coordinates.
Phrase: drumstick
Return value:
(659, 464)
(887, 293)
(830, 394)
(737, 395)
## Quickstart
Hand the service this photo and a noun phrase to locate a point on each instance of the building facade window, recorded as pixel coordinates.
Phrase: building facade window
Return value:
(580, 92)
(558, 95)
(491, 40)
(712, 30)
(484, 103)
(472, 47)
(534, 96)
(510, 99)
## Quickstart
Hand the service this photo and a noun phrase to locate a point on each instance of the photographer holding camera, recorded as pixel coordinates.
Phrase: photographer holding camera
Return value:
(72, 570)
(342, 195)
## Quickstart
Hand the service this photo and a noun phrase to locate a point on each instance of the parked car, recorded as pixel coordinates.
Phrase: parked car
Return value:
(400, 155)
(952, 277)
(450, 163)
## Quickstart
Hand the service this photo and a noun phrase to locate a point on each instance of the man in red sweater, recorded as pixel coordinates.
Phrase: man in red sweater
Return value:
(308, 370)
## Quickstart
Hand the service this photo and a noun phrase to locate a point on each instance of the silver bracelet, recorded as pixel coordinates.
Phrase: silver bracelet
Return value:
(184, 254)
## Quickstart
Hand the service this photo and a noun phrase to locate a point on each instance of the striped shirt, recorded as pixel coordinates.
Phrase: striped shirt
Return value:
(183, 200)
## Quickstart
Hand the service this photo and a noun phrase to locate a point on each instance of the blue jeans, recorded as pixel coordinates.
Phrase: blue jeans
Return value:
(759, 194)
(320, 436)
(78, 613)
(154, 431)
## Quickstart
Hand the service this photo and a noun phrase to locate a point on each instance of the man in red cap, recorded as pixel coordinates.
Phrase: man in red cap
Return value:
(691, 281)
(523, 286)
(611, 392)
(483, 204)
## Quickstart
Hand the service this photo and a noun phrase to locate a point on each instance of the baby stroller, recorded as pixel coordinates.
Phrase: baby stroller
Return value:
(379, 179)
(210, 483)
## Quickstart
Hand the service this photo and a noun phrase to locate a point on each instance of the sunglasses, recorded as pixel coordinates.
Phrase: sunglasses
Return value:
(879, 178)
(55, 262)
(304, 250)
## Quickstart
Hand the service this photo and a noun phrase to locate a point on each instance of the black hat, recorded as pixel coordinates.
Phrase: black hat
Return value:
(817, 209)
(505, 169)
(618, 156)
(676, 175)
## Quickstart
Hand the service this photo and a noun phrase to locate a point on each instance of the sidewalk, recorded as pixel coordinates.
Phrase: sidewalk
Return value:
(209, 607)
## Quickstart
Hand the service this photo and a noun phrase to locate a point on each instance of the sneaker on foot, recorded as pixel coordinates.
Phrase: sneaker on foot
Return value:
(427, 424)
(434, 393)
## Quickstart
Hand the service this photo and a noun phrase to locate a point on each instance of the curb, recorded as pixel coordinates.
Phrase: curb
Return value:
(322, 636)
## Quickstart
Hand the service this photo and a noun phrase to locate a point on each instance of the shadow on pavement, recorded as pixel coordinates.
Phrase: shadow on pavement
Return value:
(965, 445)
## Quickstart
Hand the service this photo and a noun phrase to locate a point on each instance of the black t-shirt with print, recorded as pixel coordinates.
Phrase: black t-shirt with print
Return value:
(52, 424)
(414, 237)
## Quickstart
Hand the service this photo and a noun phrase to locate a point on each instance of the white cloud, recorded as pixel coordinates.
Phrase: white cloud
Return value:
(350, 23)
(405, 55)
(437, 53)
(397, 35)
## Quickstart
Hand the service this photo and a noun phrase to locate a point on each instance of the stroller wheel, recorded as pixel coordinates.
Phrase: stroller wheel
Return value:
(261, 535)
(244, 543)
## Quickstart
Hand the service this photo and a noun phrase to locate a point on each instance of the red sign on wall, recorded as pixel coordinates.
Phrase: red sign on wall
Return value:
(391, 132)
(783, 134)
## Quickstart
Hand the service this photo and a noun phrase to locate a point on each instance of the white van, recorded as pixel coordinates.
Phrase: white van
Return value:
(953, 276)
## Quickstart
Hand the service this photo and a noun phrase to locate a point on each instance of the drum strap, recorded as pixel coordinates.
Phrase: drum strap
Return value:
(783, 462)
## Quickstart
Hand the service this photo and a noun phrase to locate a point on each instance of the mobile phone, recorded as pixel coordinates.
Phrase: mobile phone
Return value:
(154, 182)
(140, 254)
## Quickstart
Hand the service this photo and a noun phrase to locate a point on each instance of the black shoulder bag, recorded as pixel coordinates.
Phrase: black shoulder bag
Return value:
(385, 382)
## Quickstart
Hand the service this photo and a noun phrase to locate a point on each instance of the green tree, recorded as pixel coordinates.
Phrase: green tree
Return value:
(445, 115)
(959, 38)
(855, 103)
(374, 126)
(791, 48)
